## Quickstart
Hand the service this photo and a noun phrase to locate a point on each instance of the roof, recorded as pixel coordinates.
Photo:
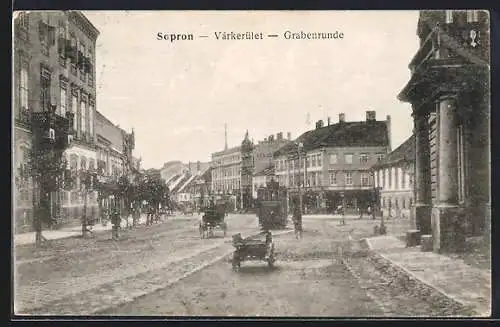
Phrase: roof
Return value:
(404, 152)
(227, 151)
(345, 134)
(189, 180)
(266, 171)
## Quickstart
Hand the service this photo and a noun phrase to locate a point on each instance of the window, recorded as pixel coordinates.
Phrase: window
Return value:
(348, 178)
(62, 105)
(403, 180)
(83, 110)
(61, 42)
(319, 160)
(333, 178)
(472, 16)
(74, 109)
(308, 161)
(389, 183)
(23, 20)
(348, 158)
(448, 16)
(365, 180)
(380, 156)
(74, 54)
(363, 158)
(23, 88)
(333, 158)
(45, 90)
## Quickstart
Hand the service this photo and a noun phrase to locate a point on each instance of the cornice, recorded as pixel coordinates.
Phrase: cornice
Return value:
(80, 21)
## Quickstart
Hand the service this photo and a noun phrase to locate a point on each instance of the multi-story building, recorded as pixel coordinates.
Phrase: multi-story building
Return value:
(226, 174)
(262, 178)
(449, 91)
(54, 65)
(264, 150)
(394, 177)
(114, 153)
(335, 161)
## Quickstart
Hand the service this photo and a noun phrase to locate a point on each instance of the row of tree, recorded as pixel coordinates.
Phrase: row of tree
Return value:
(50, 173)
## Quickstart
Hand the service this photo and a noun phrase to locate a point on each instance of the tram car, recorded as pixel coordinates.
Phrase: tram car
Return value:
(271, 206)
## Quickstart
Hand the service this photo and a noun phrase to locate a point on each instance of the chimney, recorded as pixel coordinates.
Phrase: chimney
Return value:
(328, 121)
(319, 124)
(280, 136)
(289, 136)
(371, 115)
(389, 134)
(270, 138)
(342, 117)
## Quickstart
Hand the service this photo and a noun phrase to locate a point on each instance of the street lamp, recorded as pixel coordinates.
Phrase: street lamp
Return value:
(299, 146)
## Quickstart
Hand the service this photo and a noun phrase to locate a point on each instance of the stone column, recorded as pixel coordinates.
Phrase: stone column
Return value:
(422, 191)
(445, 214)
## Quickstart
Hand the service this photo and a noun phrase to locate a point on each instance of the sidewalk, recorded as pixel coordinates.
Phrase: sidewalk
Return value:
(29, 238)
(453, 278)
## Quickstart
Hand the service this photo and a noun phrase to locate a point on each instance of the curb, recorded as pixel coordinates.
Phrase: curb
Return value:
(411, 275)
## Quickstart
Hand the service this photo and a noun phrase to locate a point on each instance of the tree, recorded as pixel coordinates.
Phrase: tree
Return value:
(47, 167)
(88, 181)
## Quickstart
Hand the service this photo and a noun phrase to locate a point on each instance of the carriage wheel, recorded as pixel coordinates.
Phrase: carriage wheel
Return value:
(270, 262)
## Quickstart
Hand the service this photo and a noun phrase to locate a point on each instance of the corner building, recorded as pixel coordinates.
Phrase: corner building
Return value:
(449, 93)
(335, 163)
(54, 64)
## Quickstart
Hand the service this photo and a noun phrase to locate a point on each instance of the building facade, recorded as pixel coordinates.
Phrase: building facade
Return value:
(449, 94)
(226, 175)
(393, 178)
(262, 178)
(335, 162)
(54, 65)
(114, 148)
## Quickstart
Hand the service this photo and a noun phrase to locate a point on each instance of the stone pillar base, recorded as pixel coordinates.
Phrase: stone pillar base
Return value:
(427, 244)
(422, 216)
(412, 238)
(448, 228)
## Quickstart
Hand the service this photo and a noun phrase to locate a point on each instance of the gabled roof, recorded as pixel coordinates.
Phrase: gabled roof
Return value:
(188, 181)
(345, 134)
(179, 182)
(404, 152)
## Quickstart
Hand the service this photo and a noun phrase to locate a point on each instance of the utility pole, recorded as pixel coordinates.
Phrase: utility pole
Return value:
(299, 145)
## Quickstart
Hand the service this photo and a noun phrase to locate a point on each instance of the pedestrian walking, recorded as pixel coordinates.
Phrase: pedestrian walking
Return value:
(297, 222)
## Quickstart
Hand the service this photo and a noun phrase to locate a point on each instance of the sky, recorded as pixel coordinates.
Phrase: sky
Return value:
(178, 95)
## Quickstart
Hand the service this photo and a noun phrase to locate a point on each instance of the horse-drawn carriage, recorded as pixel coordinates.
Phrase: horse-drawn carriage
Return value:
(259, 247)
(213, 219)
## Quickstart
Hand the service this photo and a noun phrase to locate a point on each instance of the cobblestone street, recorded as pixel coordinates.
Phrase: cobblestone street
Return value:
(324, 274)
(66, 277)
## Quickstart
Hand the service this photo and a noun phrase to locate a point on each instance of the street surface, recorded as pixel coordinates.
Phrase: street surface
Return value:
(166, 269)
